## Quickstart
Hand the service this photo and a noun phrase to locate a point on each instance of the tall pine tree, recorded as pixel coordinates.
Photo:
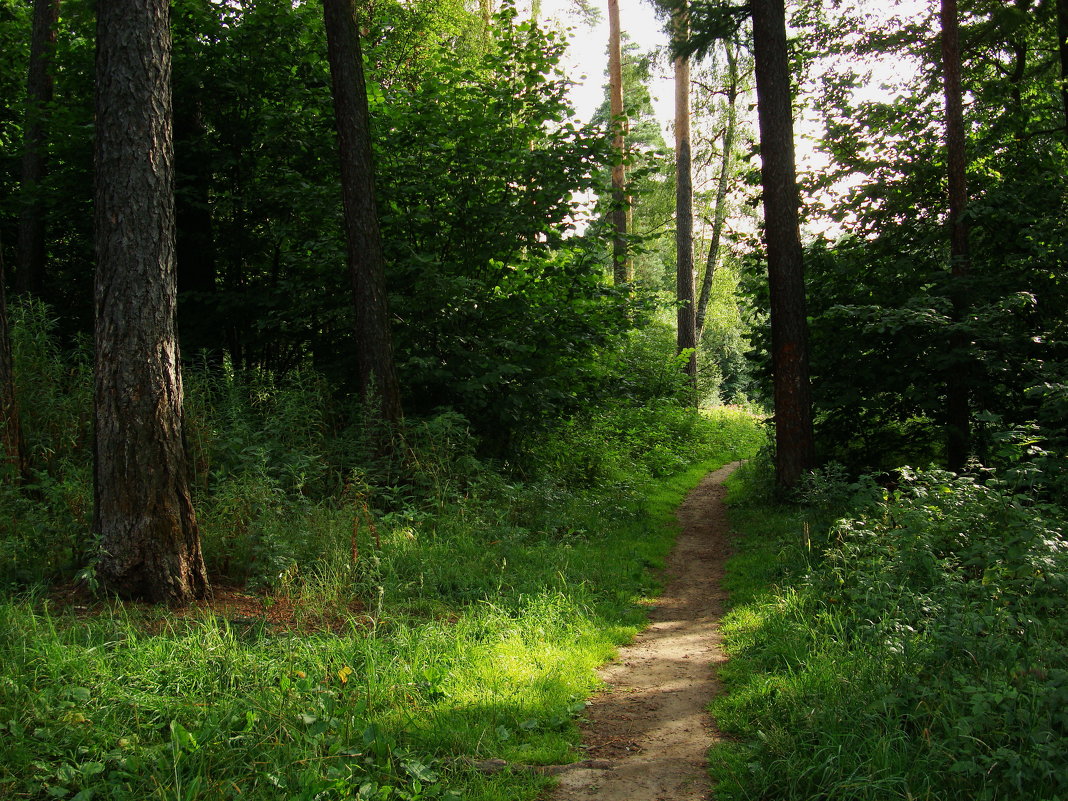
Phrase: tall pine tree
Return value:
(143, 512)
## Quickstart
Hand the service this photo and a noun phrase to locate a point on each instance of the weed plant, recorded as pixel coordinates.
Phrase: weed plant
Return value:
(468, 601)
(43, 525)
(902, 645)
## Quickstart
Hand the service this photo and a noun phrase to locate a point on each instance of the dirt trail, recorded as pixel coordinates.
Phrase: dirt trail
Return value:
(648, 731)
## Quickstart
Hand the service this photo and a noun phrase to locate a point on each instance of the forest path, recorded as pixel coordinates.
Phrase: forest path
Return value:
(648, 731)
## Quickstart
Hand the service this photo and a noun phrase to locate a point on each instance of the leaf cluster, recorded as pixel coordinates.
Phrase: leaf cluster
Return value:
(916, 637)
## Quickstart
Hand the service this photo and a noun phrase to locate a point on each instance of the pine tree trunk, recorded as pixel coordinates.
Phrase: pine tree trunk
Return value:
(143, 510)
(720, 213)
(958, 418)
(30, 265)
(794, 447)
(687, 321)
(378, 377)
(621, 263)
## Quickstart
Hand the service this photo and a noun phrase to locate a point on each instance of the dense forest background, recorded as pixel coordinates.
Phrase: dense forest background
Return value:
(545, 400)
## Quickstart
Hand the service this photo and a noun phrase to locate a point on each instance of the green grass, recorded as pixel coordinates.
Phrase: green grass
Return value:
(895, 646)
(486, 612)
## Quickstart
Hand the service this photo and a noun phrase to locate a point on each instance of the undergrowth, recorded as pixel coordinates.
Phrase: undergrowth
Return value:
(896, 645)
(468, 599)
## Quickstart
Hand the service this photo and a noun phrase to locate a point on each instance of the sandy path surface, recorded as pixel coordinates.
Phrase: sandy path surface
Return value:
(648, 731)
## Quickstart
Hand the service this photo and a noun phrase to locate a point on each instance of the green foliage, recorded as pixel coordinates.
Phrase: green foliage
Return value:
(724, 372)
(881, 297)
(918, 637)
(14, 27)
(283, 473)
(500, 310)
(653, 440)
(450, 610)
(650, 173)
(43, 533)
(505, 311)
(447, 610)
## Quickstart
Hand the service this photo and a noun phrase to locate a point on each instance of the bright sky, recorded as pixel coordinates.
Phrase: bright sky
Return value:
(588, 55)
(587, 61)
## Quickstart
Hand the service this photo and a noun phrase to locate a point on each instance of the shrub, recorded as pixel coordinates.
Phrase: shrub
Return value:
(919, 653)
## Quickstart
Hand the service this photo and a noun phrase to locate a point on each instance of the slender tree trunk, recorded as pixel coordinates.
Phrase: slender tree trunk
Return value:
(14, 444)
(143, 513)
(621, 264)
(687, 321)
(1062, 43)
(486, 10)
(720, 213)
(958, 419)
(378, 377)
(794, 447)
(30, 265)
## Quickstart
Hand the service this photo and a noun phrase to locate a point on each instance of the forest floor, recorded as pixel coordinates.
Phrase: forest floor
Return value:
(647, 733)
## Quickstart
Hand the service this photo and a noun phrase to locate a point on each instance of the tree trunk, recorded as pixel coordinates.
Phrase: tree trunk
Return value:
(14, 444)
(30, 265)
(794, 448)
(720, 213)
(687, 321)
(143, 512)
(486, 12)
(621, 263)
(958, 419)
(378, 377)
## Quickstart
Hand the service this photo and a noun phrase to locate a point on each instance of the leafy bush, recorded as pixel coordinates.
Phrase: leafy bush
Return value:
(288, 484)
(44, 526)
(919, 652)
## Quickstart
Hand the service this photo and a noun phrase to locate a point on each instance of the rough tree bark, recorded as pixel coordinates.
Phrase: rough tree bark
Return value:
(720, 212)
(143, 513)
(794, 447)
(958, 419)
(30, 261)
(378, 377)
(687, 320)
(621, 263)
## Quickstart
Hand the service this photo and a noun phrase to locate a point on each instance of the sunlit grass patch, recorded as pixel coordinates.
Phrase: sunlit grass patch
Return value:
(468, 629)
(379, 626)
(881, 651)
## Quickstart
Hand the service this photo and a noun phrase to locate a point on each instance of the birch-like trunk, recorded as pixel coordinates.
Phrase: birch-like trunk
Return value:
(719, 218)
(621, 263)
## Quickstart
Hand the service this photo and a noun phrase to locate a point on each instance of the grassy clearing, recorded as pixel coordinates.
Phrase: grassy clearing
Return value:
(484, 610)
(905, 645)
